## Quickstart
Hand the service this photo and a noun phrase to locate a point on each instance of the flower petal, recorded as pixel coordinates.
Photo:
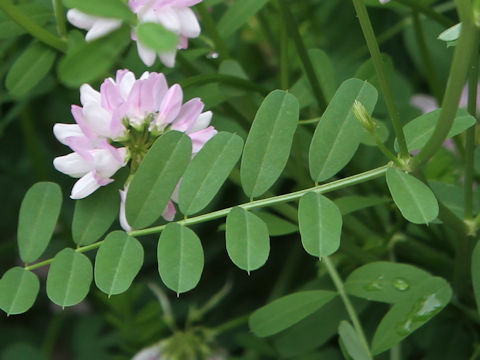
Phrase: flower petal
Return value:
(146, 55)
(64, 131)
(188, 115)
(102, 27)
(169, 212)
(188, 21)
(73, 165)
(199, 138)
(202, 122)
(85, 186)
(80, 19)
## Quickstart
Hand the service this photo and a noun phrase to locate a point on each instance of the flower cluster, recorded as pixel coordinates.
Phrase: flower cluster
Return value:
(174, 15)
(123, 108)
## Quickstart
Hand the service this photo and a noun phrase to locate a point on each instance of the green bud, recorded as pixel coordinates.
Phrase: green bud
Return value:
(363, 116)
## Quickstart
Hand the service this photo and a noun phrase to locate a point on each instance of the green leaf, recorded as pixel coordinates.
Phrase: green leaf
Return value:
(418, 131)
(116, 9)
(276, 225)
(94, 215)
(237, 15)
(90, 61)
(381, 131)
(156, 178)
(29, 68)
(352, 342)
(180, 258)
(385, 281)
(406, 316)
(268, 144)
(248, 244)
(325, 71)
(22, 351)
(287, 311)
(208, 171)
(336, 139)
(118, 261)
(414, 199)
(69, 278)
(352, 203)
(18, 290)
(320, 223)
(156, 37)
(476, 273)
(37, 219)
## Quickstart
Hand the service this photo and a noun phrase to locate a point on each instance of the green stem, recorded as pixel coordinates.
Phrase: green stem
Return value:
(386, 152)
(60, 16)
(207, 20)
(239, 321)
(428, 64)
(458, 73)
(332, 271)
(427, 11)
(35, 30)
(272, 201)
(372, 44)
(470, 142)
(292, 28)
(309, 121)
(223, 79)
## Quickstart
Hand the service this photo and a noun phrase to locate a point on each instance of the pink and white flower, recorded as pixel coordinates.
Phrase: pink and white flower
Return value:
(97, 26)
(174, 15)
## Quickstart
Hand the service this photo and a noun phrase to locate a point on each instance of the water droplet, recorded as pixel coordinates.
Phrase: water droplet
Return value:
(404, 328)
(375, 285)
(213, 55)
(422, 311)
(401, 284)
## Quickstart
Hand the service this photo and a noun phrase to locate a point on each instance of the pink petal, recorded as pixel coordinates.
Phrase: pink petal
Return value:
(200, 138)
(425, 103)
(77, 113)
(188, 114)
(110, 95)
(82, 146)
(170, 106)
(169, 212)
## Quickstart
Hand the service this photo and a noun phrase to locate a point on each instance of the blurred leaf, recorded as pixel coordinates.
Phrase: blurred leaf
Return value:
(232, 68)
(408, 315)
(118, 261)
(287, 311)
(22, 351)
(385, 281)
(156, 37)
(276, 225)
(35, 11)
(268, 144)
(476, 274)
(336, 140)
(248, 244)
(116, 9)
(29, 68)
(180, 258)
(37, 219)
(452, 196)
(350, 204)
(325, 71)
(352, 342)
(94, 215)
(69, 278)
(320, 223)
(414, 199)
(418, 131)
(88, 62)
(208, 171)
(18, 290)
(237, 15)
(156, 178)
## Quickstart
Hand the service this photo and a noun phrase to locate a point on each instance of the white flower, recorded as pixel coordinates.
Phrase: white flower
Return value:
(97, 26)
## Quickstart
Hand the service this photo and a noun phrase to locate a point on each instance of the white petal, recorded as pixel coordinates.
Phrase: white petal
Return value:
(126, 84)
(106, 164)
(85, 186)
(122, 216)
(147, 55)
(63, 131)
(168, 17)
(89, 95)
(102, 27)
(202, 122)
(425, 103)
(189, 25)
(98, 118)
(80, 19)
(73, 165)
(168, 58)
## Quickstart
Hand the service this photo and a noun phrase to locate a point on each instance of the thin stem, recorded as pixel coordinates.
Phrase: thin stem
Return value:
(239, 321)
(385, 150)
(332, 271)
(272, 201)
(223, 79)
(458, 73)
(470, 142)
(309, 121)
(60, 16)
(207, 20)
(292, 28)
(372, 44)
(35, 30)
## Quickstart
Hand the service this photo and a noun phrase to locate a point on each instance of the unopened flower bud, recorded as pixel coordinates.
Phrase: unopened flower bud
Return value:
(363, 116)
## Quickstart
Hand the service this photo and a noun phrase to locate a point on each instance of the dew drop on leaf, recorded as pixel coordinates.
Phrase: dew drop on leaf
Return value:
(401, 284)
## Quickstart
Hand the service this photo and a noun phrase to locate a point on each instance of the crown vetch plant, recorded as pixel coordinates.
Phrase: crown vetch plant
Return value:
(333, 193)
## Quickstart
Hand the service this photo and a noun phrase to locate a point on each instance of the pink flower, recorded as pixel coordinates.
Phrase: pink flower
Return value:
(174, 15)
